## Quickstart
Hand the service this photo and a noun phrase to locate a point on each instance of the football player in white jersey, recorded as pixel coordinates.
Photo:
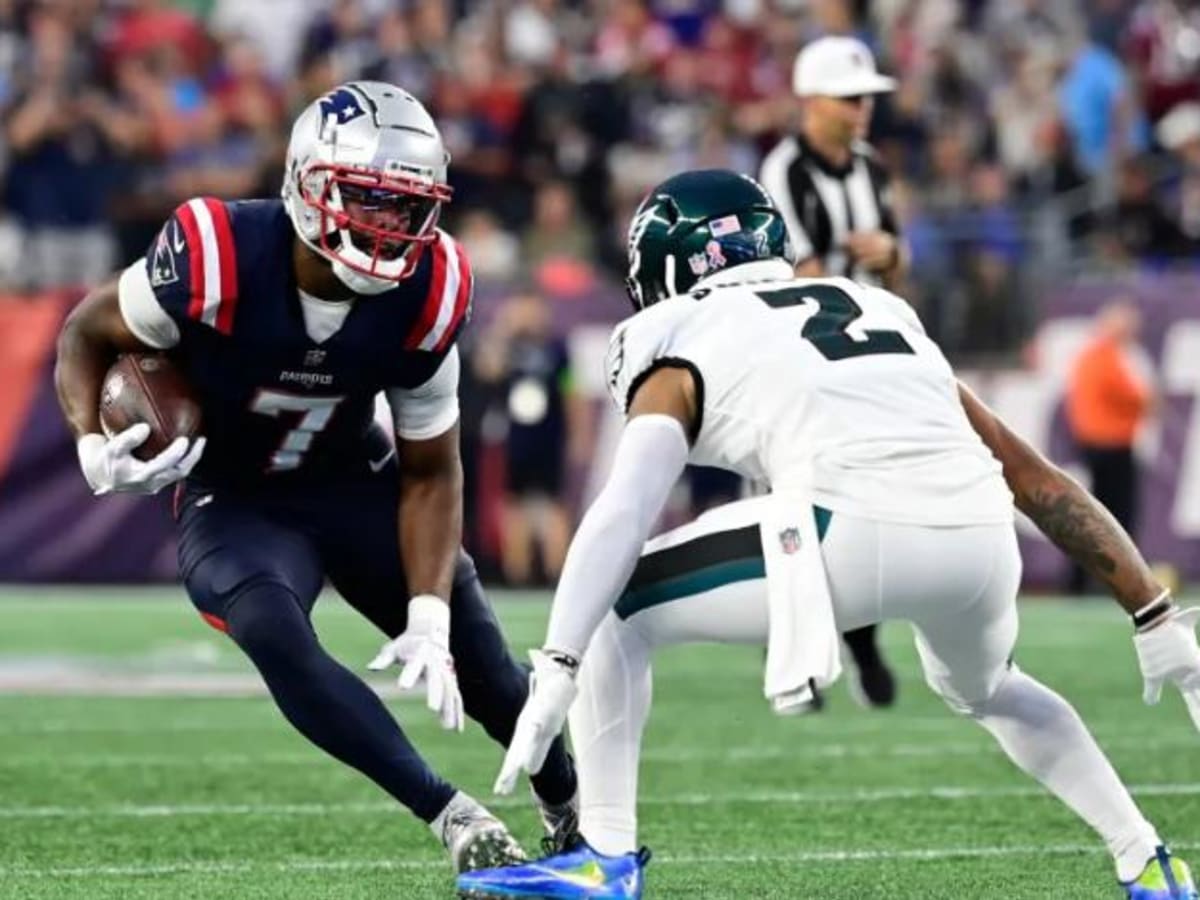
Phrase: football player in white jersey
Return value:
(892, 493)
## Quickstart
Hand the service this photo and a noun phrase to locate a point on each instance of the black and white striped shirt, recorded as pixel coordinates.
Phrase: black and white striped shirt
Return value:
(822, 203)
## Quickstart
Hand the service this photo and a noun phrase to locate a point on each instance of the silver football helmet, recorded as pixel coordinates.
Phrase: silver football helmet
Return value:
(365, 181)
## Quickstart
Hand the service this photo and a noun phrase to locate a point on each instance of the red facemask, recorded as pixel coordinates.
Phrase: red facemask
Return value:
(374, 223)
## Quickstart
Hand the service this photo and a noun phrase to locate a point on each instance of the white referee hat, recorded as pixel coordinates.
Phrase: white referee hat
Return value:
(838, 67)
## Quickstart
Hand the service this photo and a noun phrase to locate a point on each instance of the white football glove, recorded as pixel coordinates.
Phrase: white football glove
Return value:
(1169, 652)
(552, 690)
(424, 651)
(110, 467)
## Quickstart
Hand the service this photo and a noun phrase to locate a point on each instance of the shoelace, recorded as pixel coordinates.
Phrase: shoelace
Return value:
(565, 839)
(566, 834)
(457, 820)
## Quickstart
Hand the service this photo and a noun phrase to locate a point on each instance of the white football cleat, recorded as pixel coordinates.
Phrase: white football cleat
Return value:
(474, 837)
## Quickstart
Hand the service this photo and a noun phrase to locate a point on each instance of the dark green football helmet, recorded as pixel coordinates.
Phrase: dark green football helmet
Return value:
(698, 223)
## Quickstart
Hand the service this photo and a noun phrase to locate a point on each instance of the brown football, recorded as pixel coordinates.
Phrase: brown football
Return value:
(146, 387)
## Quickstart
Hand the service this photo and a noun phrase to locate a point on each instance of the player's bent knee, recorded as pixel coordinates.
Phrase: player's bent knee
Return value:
(464, 568)
(636, 635)
(970, 697)
(265, 616)
(216, 584)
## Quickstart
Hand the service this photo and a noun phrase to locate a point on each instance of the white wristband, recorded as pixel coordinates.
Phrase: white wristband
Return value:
(90, 450)
(430, 611)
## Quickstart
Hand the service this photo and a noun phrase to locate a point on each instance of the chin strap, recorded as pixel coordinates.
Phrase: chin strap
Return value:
(360, 283)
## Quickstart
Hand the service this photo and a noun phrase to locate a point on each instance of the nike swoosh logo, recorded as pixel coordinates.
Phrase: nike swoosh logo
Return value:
(205, 500)
(378, 464)
(176, 238)
(592, 879)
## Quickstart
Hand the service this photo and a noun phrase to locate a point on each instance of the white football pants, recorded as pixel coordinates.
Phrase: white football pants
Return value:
(956, 585)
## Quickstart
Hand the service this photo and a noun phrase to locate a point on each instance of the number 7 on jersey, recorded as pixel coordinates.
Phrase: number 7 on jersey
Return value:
(314, 412)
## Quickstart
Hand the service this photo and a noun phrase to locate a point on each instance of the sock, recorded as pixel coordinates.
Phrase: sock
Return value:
(1045, 737)
(327, 703)
(607, 721)
(862, 645)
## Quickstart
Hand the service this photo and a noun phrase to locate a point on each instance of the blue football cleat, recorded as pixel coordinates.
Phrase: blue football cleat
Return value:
(575, 874)
(1164, 878)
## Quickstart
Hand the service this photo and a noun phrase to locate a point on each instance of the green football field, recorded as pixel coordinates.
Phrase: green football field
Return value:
(138, 759)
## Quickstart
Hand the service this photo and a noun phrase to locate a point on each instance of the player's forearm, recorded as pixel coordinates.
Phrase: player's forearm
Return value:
(83, 358)
(430, 523)
(92, 337)
(1083, 529)
(599, 563)
(1067, 514)
(651, 455)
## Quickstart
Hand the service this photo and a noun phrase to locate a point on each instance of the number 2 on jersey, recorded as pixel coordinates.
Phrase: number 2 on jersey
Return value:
(314, 412)
(826, 329)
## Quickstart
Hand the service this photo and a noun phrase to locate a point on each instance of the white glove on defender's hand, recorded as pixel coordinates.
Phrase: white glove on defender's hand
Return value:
(1169, 652)
(552, 691)
(424, 651)
(110, 467)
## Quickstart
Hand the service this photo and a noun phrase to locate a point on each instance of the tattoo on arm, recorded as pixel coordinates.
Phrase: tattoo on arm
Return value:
(1068, 515)
(1072, 526)
(1083, 529)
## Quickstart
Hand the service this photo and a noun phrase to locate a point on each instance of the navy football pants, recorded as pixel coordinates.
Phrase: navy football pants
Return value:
(253, 565)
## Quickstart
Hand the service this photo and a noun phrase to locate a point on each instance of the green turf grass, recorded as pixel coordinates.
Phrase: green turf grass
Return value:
(212, 797)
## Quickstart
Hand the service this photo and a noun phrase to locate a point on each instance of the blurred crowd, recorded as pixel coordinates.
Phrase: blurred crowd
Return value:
(1025, 133)
(1027, 139)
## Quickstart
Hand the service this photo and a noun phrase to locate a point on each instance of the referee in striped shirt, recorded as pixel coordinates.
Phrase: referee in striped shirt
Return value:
(825, 179)
(834, 196)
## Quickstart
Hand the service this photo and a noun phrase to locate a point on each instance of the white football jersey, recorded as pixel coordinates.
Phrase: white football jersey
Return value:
(823, 385)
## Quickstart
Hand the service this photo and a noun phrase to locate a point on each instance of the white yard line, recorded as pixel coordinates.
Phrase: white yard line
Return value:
(234, 867)
(252, 717)
(70, 727)
(288, 810)
(190, 760)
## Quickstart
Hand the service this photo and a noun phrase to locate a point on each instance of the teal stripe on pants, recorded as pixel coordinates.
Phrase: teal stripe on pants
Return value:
(705, 577)
(823, 517)
(691, 583)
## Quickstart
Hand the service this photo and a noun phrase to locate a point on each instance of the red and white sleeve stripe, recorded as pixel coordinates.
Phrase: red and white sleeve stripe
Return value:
(212, 262)
(449, 298)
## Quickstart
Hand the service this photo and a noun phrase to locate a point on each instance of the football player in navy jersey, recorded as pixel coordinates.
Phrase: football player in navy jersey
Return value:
(287, 318)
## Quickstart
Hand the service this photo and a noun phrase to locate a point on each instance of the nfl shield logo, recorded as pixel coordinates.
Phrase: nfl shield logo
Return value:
(314, 357)
(789, 540)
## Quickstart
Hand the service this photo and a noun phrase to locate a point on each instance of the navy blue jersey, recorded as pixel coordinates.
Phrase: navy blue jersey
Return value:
(278, 406)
